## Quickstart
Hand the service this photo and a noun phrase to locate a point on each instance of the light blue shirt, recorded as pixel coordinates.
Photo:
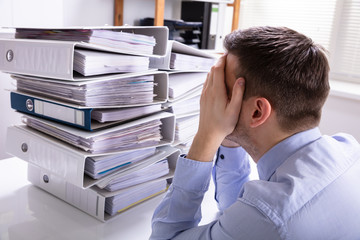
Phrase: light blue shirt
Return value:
(308, 188)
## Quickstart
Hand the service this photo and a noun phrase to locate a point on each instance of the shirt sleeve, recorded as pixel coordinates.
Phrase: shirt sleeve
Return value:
(179, 213)
(230, 172)
(181, 207)
(239, 221)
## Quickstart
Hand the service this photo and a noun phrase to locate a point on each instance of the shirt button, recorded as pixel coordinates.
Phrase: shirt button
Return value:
(222, 156)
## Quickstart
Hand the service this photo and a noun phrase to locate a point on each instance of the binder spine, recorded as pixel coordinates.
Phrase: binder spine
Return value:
(37, 57)
(86, 200)
(161, 88)
(80, 118)
(46, 153)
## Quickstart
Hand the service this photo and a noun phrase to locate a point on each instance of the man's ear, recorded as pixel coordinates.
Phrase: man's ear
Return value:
(261, 112)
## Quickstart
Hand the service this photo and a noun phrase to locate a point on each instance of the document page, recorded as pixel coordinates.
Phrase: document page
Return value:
(89, 62)
(181, 83)
(133, 196)
(180, 61)
(145, 174)
(100, 166)
(123, 114)
(137, 43)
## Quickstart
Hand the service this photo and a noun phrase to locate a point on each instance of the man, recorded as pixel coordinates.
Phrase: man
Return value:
(309, 183)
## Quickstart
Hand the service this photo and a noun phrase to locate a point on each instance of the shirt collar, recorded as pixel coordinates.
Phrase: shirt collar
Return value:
(273, 158)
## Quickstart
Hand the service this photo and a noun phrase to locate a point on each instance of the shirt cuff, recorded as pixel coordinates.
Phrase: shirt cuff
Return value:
(231, 158)
(192, 175)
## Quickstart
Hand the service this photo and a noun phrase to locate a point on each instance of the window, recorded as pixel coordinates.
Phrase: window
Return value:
(335, 24)
(345, 60)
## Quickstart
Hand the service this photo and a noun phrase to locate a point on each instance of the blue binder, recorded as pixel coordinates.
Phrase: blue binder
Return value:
(77, 117)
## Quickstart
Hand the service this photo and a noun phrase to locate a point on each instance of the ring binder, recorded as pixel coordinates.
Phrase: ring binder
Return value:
(55, 58)
(93, 199)
(63, 159)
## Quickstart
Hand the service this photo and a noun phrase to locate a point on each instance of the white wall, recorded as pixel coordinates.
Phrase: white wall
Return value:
(22, 13)
(341, 114)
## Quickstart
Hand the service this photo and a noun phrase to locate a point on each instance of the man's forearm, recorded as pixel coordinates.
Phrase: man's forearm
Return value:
(181, 207)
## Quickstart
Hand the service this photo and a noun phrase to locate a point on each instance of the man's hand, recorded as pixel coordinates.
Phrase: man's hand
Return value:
(218, 113)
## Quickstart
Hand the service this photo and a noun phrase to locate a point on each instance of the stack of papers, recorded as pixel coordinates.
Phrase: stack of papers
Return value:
(133, 196)
(180, 61)
(104, 37)
(182, 83)
(185, 146)
(186, 106)
(103, 141)
(148, 173)
(89, 63)
(186, 128)
(123, 114)
(109, 92)
(100, 166)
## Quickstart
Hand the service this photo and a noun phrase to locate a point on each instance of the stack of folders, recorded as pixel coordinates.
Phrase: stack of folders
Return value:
(186, 79)
(95, 131)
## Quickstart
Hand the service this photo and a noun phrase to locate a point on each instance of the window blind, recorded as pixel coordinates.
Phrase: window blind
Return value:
(345, 61)
(335, 24)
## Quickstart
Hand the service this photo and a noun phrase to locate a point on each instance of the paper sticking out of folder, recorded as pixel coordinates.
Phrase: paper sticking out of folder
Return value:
(141, 135)
(180, 61)
(123, 114)
(187, 106)
(100, 166)
(137, 194)
(186, 128)
(90, 63)
(181, 57)
(145, 174)
(104, 37)
(107, 92)
(181, 83)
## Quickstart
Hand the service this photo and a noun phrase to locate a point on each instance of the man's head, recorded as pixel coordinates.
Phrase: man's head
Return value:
(284, 67)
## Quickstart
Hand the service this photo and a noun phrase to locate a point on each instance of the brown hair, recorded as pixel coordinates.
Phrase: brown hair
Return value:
(286, 68)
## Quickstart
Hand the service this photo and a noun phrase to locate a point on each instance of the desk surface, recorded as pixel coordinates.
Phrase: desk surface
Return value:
(28, 212)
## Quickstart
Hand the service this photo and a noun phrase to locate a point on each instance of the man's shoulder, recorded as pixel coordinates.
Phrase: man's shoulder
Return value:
(302, 177)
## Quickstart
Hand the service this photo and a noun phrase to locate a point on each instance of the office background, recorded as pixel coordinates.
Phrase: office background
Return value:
(341, 111)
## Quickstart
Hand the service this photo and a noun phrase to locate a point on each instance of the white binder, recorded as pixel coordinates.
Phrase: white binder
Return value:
(91, 200)
(64, 160)
(163, 63)
(55, 59)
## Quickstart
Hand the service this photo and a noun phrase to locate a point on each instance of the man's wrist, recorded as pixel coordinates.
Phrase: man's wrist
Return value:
(203, 148)
(192, 175)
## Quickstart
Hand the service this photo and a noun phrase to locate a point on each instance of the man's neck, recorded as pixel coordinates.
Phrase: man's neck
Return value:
(264, 142)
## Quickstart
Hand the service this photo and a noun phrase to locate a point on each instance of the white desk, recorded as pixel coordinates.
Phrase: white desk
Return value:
(27, 212)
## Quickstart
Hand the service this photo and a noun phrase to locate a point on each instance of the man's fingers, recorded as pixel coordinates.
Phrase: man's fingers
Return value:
(237, 95)
(210, 77)
(219, 73)
(206, 83)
